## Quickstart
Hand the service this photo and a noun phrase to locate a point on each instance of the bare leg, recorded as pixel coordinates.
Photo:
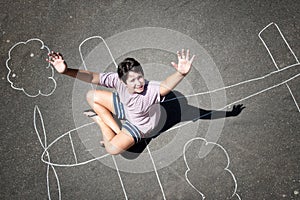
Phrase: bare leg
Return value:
(114, 144)
(107, 132)
(102, 103)
(115, 140)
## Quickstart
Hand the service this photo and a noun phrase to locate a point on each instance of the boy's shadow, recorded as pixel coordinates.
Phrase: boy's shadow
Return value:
(175, 111)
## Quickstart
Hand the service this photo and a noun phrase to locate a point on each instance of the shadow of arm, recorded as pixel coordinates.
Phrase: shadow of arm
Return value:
(193, 113)
(215, 114)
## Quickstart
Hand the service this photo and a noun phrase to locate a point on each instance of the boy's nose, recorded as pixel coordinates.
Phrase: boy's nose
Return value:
(137, 82)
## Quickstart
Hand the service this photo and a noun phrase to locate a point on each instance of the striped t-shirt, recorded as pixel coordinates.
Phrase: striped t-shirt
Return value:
(142, 110)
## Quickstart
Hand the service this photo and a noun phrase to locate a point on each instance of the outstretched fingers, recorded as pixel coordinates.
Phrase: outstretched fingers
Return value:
(192, 59)
(60, 55)
(178, 55)
(174, 65)
(188, 54)
(182, 54)
(185, 55)
(50, 59)
(53, 56)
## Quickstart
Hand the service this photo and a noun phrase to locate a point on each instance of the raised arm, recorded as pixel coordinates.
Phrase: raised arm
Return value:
(182, 69)
(56, 59)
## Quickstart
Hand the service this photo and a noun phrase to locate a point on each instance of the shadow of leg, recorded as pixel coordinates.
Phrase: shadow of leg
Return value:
(134, 151)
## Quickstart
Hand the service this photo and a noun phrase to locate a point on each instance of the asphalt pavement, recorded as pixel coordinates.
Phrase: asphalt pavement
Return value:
(230, 128)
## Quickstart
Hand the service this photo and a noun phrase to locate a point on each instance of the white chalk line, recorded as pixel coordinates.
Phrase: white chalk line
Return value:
(235, 102)
(255, 79)
(74, 153)
(77, 164)
(90, 149)
(155, 170)
(197, 95)
(69, 165)
(226, 168)
(181, 97)
(247, 81)
(36, 109)
(9, 70)
(293, 96)
(93, 37)
(120, 178)
(233, 85)
(84, 65)
(58, 138)
(57, 181)
(284, 82)
(274, 62)
(46, 147)
(282, 36)
(69, 132)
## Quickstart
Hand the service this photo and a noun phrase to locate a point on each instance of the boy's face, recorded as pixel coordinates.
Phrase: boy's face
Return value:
(135, 82)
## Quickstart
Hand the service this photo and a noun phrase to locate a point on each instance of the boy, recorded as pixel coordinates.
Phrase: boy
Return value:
(134, 100)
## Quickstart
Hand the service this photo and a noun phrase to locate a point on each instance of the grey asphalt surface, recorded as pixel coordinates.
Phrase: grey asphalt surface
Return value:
(262, 142)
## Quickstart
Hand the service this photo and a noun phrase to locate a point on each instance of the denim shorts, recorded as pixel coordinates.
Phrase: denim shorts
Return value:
(120, 114)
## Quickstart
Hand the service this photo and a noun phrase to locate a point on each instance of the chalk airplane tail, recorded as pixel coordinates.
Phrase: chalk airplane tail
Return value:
(286, 56)
(41, 133)
(281, 41)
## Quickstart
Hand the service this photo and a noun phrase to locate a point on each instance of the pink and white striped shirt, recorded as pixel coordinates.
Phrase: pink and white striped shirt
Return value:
(142, 110)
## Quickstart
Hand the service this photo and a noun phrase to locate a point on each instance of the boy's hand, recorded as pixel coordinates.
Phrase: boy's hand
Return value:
(237, 109)
(56, 59)
(184, 62)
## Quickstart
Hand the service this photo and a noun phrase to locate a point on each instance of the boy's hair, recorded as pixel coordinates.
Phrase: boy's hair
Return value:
(129, 64)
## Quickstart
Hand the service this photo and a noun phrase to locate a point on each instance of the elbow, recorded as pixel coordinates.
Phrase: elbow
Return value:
(165, 88)
(164, 91)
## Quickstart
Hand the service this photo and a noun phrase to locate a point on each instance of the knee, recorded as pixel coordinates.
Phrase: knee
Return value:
(113, 151)
(90, 96)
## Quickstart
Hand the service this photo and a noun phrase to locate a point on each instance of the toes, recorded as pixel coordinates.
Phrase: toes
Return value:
(90, 113)
(102, 144)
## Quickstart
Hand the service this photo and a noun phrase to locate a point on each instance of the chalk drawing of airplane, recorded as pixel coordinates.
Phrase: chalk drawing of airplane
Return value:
(46, 158)
(289, 58)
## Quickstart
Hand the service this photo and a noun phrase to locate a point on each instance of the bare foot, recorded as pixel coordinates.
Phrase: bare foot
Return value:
(102, 143)
(93, 115)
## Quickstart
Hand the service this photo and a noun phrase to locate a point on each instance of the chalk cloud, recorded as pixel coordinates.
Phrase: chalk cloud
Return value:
(27, 69)
(207, 172)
